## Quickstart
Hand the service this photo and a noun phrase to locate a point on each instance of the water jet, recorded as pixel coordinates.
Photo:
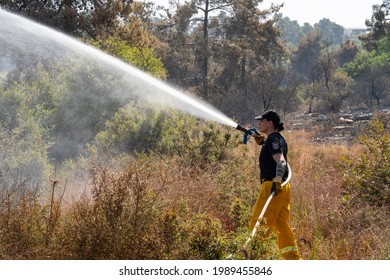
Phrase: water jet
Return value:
(40, 41)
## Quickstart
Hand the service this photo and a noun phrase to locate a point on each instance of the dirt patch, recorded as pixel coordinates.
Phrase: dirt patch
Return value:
(336, 128)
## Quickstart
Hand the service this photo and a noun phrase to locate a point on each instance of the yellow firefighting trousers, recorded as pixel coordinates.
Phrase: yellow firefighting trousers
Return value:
(277, 217)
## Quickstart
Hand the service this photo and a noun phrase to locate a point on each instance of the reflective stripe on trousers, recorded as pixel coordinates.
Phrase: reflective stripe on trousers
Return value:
(288, 249)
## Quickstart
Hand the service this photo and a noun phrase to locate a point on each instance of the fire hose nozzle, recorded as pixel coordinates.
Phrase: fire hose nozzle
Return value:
(251, 131)
(240, 127)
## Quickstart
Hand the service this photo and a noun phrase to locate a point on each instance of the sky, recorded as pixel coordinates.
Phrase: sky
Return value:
(347, 13)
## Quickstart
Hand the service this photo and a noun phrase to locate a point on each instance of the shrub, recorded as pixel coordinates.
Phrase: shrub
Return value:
(115, 223)
(204, 238)
(140, 128)
(28, 224)
(23, 153)
(367, 178)
(366, 195)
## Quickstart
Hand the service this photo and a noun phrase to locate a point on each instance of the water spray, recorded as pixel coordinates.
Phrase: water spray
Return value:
(42, 41)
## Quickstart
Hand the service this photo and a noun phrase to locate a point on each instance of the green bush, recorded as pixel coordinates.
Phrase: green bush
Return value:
(24, 140)
(367, 177)
(366, 196)
(143, 58)
(205, 238)
(132, 129)
(140, 128)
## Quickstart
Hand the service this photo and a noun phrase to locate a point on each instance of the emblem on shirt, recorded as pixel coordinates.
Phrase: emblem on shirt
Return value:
(275, 145)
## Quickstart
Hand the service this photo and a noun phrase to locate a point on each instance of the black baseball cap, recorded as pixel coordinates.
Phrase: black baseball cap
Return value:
(271, 116)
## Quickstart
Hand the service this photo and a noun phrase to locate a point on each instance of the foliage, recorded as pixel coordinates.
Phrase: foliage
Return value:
(81, 18)
(292, 31)
(304, 60)
(29, 222)
(127, 216)
(218, 56)
(69, 100)
(347, 52)
(133, 128)
(112, 224)
(224, 51)
(141, 128)
(365, 191)
(179, 187)
(2, 78)
(143, 58)
(24, 139)
(367, 178)
(159, 208)
(369, 69)
(248, 60)
(340, 89)
(21, 222)
(24, 155)
(318, 67)
(379, 26)
(330, 31)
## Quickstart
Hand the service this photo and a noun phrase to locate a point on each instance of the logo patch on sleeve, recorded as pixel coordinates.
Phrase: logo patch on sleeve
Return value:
(275, 145)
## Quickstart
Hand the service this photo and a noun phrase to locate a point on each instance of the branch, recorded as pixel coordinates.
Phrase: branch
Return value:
(213, 9)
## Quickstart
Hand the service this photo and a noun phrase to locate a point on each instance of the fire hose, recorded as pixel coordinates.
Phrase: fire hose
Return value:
(253, 233)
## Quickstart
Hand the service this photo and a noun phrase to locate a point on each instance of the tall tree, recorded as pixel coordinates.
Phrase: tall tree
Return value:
(371, 72)
(189, 32)
(204, 10)
(347, 52)
(291, 29)
(316, 62)
(206, 7)
(304, 60)
(379, 26)
(224, 48)
(330, 31)
(177, 48)
(339, 90)
(327, 64)
(307, 28)
(253, 49)
(335, 83)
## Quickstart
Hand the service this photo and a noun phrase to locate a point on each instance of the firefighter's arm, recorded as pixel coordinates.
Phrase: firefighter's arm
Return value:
(281, 166)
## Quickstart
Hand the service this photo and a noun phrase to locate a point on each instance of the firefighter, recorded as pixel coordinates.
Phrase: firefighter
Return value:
(273, 170)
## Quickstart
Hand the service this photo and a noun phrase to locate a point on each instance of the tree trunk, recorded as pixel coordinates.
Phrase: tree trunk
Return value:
(205, 53)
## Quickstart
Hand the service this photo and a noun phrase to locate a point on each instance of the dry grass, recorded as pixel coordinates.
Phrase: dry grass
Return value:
(325, 228)
(160, 208)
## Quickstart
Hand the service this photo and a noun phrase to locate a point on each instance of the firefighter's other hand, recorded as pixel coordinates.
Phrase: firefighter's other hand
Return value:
(277, 185)
(259, 139)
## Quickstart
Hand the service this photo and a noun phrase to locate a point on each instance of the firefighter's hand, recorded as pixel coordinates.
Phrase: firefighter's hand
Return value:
(277, 185)
(260, 138)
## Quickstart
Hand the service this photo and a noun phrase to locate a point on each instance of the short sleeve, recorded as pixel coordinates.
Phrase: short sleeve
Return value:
(276, 147)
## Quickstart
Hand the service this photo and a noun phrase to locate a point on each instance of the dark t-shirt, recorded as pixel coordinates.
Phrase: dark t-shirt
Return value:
(274, 144)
